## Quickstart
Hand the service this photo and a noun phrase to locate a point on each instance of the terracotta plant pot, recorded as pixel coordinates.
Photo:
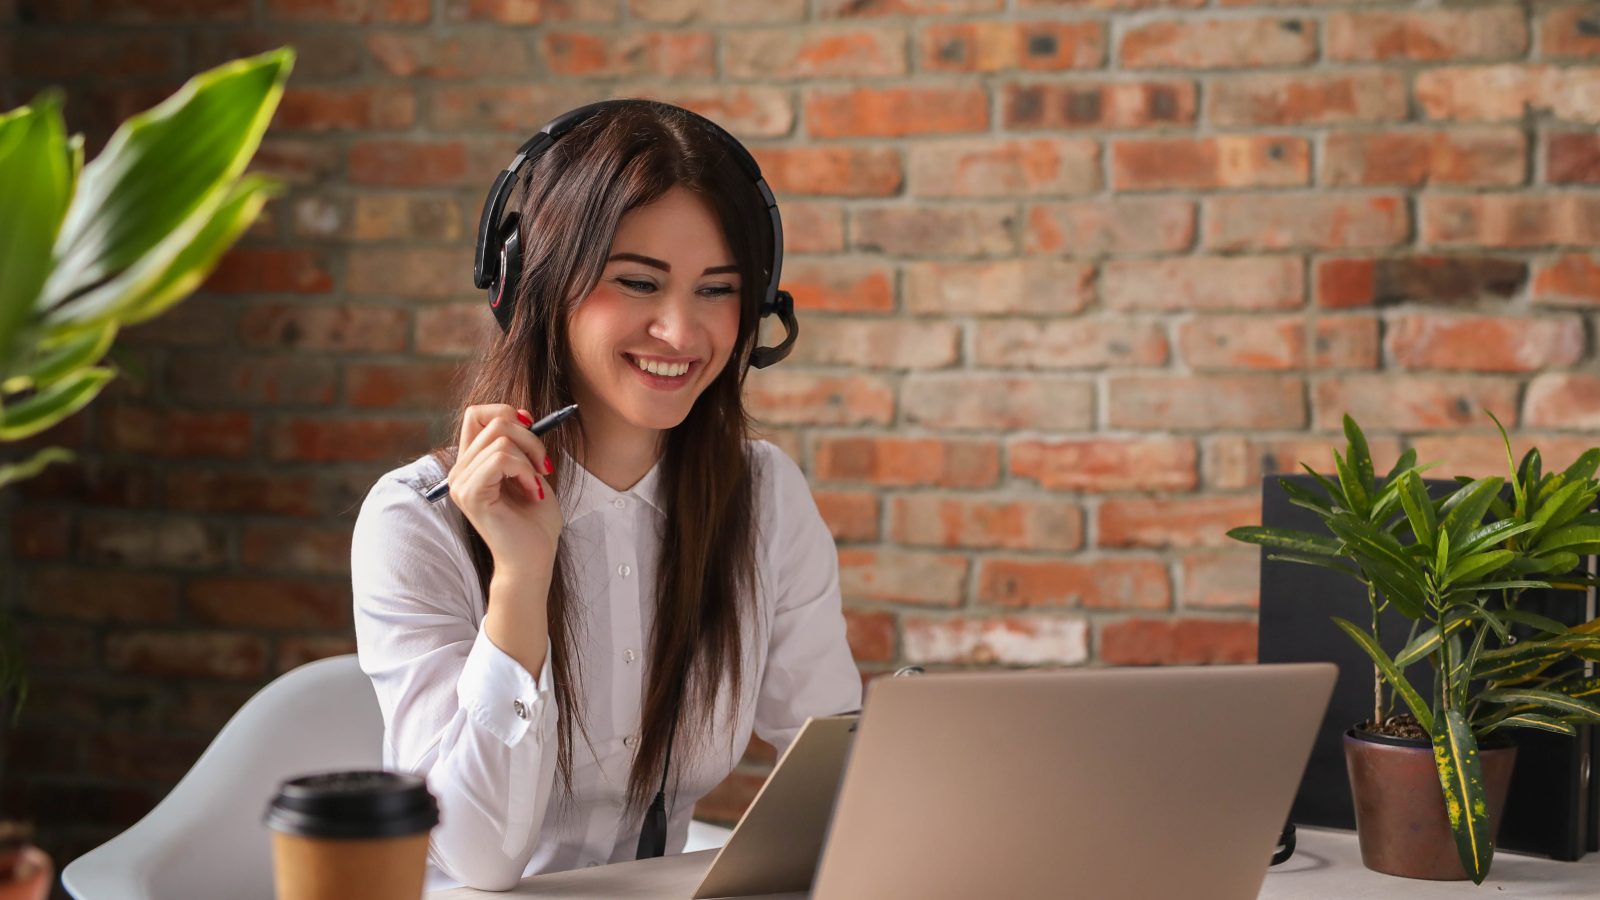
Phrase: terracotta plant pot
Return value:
(25, 870)
(1400, 818)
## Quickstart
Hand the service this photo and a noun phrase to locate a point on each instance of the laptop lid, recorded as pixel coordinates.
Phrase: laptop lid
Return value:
(1113, 784)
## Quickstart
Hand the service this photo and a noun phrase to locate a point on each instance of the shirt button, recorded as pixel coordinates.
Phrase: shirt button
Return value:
(624, 570)
(627, 655)
(629, 741)
(520, 708)
(620, 503)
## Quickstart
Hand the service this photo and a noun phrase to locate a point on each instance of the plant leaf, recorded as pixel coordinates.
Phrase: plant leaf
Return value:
(1466, 805)
(1493, 533)
(1467, 568)
(1407, 460)
(1390, 672)
(1516, 485)
(49, 406)
(1360, 457)
(1583, 468)
(1534, 721)
(1568, 536)
(1465, 508)
(75, 352)
(1335, 493)
(1354, 490)
(11, 473)
(1427, 642)
(1532, 620)
(1286, 539)
(35, 188)
(1326, 562)
(1554, 700)
(1419, 509)
(1302, 497)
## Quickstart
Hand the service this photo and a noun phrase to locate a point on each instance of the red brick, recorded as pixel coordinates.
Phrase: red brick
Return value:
(1289, 220)
(829, 170)
(1507, 91)
(851, 9)
(895, 112)
(1111, 226)
(1570, 280)
(997, 46)
(38, 533)
(745, 111)
(903, 576)
(425, 272)
(346, 109)
(1428, 36)
(1572, 158)
(986, 522)
(677, 12)
(101, 597)
(238, 602)
(182, 542)
(1393, 402)
(385, 217)
(1070, 343)
(871, 635)
(1234, 462)
(1098, 465)
(1345, 342)
(192, 654)
(409, 385)
(1020, 168)
(1511, 220)
(296, 548)
(1485, 343)
(501, 107)
(266, 493)
(667, 54)
(907, 462)
(1190, 43)
(305, 439)
(294, 652)
(144, 757)
(880, 343)
(1219, 162)
(454, 329)
(804, 398)
(212, 378)
(808, 53)
(1243, 342)
(392, 163)
(1173, 521)
(1491, 156)
(1107, 104)
(296, 161)
(335, 328)
(937, 231)
(530, 12)
(1030, 641)
(851, 515)
(260, 270)
(350, 11)
(169, 10)
(1138, 642)
(59, 648)
(1564, 401)
(44, 56)
(1015, 286)
(175, 433)
(1445, 280)
(1224, 580)
(1203, 284)
(409, 54)
(811, 228)
(838, 285)
(1205, 402)
(1569, 30)
(1109, 583)
(201, 320)
(1483, 455)
(983, 401)
(1307, 98)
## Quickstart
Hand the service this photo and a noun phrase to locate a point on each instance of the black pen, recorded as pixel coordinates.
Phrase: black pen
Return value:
(438, 491)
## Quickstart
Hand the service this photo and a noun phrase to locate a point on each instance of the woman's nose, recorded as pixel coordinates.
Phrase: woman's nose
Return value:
(674, 317)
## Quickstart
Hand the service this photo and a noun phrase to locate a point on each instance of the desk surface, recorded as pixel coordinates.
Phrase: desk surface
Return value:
(1325, 864)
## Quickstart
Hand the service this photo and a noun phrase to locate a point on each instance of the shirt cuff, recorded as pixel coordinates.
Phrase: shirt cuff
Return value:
(499, 694)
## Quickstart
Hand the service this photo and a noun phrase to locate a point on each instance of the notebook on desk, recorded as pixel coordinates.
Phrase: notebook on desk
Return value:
(1112, 784)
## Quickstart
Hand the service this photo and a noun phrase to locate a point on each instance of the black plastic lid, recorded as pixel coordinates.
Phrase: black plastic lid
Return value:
(353, 804)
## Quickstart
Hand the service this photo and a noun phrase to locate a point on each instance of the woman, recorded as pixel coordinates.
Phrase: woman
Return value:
(645, 578)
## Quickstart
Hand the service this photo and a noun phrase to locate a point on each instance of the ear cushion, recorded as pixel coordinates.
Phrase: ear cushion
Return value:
(503, 290)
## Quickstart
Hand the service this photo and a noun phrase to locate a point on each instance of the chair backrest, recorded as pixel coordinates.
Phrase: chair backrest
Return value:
(205, 838)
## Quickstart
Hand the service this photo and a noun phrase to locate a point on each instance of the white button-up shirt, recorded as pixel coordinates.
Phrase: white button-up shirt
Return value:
(483, 729)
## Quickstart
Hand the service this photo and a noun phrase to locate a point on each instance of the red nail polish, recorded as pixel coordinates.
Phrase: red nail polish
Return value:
(541, 490)
(524, 418)
(549, 468)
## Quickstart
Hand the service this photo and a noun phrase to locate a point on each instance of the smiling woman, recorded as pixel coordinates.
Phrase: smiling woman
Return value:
(542, 662)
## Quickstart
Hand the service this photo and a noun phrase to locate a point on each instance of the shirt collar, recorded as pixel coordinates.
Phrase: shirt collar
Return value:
(583, 493)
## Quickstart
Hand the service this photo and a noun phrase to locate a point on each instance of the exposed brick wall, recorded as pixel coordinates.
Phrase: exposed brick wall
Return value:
(1073, 277)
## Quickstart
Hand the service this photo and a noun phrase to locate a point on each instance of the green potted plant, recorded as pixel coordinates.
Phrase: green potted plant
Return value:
(88, 249)
(1456, 567)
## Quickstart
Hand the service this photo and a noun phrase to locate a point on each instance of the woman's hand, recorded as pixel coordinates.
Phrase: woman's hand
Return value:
(498, 484)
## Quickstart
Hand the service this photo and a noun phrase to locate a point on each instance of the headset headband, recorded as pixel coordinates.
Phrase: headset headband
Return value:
(497, 259)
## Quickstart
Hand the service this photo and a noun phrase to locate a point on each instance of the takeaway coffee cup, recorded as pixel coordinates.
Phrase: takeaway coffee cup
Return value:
(355, 835)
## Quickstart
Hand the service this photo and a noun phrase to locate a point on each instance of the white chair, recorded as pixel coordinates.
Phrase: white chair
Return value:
(205, 838)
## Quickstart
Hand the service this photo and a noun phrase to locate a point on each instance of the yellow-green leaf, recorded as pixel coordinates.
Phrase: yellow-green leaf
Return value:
(40, 411)
(1466, 802)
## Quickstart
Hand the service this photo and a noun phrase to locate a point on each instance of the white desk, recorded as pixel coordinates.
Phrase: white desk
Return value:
(1326, 864)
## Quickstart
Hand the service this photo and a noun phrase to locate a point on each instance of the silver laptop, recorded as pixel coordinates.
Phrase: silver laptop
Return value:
(1098, 783)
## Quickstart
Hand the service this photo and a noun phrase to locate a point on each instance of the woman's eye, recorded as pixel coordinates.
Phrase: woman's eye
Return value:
(643, 287)
(719, 291)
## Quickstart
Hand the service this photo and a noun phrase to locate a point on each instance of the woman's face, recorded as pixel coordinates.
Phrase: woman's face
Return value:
(660, 324)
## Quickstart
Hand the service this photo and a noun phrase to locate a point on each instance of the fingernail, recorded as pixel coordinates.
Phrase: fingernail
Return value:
(541, 490)
(524, 418)
(549, 468)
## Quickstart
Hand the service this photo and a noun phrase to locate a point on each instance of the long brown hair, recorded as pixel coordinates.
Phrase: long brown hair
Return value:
(573, 197)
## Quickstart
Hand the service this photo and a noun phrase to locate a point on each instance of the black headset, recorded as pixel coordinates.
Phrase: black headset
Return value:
(497, 261)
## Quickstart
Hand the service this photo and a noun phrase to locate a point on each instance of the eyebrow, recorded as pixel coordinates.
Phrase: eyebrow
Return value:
(666, 267)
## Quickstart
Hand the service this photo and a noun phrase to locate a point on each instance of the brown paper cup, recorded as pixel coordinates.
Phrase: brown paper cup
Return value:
(351, 835)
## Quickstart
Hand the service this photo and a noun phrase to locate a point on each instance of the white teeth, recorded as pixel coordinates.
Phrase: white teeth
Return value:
(667, 370)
